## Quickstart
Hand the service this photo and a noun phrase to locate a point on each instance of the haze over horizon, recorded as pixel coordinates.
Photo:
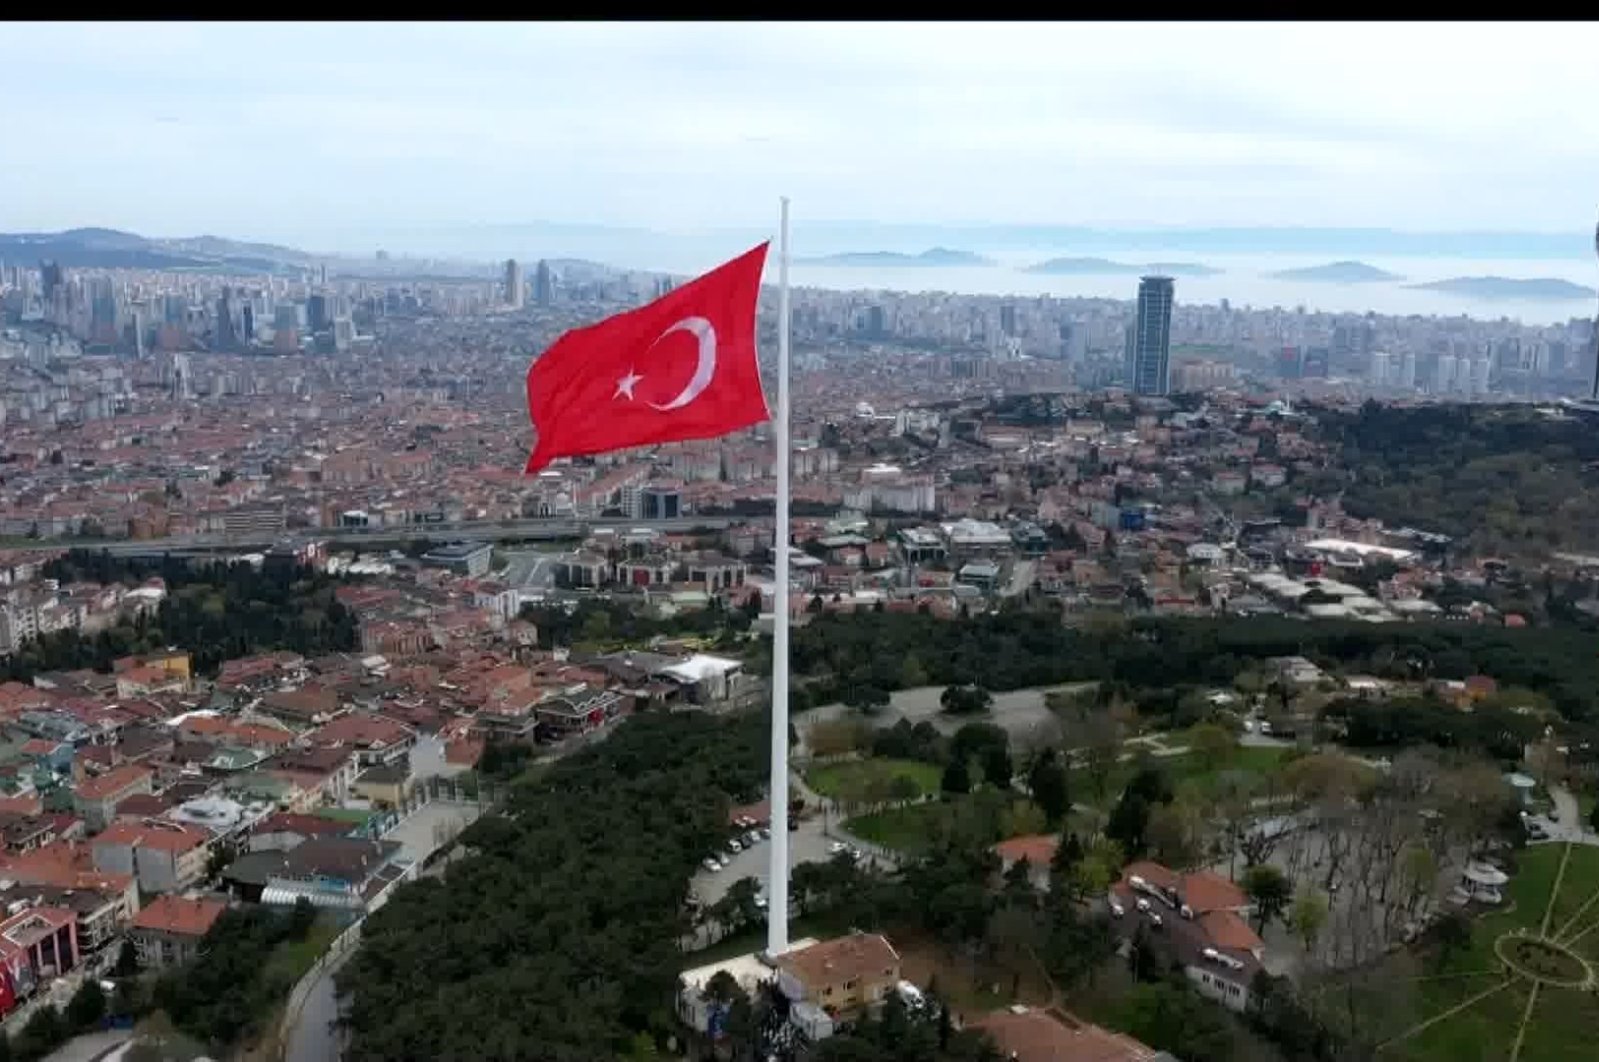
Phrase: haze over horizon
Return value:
(242, 130)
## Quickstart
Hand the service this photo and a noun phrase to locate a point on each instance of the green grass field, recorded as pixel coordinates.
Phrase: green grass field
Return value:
(1562, 1022)
(855, 777)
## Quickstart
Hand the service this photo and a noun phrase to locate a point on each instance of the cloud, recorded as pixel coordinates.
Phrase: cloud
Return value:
(288, 130)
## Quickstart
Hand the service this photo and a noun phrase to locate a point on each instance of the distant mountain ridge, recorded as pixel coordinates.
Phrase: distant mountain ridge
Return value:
(1338, 273)
(99, 248)
(1106, 267)
(936, 256)
(1508, 288)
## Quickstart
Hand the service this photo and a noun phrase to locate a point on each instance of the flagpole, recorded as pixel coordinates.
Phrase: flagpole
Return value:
(777, 877)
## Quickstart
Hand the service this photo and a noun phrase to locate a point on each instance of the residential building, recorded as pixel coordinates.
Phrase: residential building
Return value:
(375, 739)
(842, 976)
(1196, 921)
(1032, 1034)
(1151, 340)
(164, 856)
(96, 798)
(170, 929)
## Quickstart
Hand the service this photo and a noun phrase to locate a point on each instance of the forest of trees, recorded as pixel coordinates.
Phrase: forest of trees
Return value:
(216, 611)
(557, 938)
(1508, 479)
(840, 653)
(243, 974)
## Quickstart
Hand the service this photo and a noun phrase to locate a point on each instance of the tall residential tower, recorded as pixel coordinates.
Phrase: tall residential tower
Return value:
(1150, 359)
(514, 288)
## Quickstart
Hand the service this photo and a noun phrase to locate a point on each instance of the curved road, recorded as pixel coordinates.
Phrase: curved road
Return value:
(314, 1038)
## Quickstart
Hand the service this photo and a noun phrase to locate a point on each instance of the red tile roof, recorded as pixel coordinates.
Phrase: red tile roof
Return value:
(114, 781)
(1038, 849)
(1031, 1035)
(179, 916)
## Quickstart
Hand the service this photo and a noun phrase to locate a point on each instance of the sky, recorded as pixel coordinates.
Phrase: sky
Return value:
(324, 133)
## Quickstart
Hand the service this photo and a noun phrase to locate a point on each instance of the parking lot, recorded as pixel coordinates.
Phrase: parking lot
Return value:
(805, 845)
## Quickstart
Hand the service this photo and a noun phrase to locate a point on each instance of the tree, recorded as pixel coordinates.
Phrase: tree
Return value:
(1593, 818)
(1449, 934)
(1308, 916)
(42, 1034)
(957, 778)
(1128, 822)
(966, 700)
(127, 960)
(87, 1006)
(997, 766)
(1048, 785)
(1213, 745)
(1168, 1016)
(1269, 889)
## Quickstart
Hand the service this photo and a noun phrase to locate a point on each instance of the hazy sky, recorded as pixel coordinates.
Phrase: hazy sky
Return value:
(301, 132)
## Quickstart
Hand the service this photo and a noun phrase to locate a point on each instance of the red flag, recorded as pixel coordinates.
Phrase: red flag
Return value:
(681, 367)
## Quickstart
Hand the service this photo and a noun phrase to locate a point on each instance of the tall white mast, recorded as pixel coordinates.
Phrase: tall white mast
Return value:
(777, 877)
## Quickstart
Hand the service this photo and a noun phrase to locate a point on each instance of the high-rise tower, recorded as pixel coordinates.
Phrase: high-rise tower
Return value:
(513, 284)
(1596, 328)
(543, 284)
(1151, 354)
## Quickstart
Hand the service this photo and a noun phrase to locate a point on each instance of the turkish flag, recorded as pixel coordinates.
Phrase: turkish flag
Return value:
(681, 367)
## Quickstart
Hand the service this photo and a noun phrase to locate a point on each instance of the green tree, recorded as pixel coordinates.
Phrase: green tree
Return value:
(957, 778)
(1213, 745)
(1308, 917)
(1170, 1017)
(43, 1033)
(997, 766)
(87, 1006)
(1048, 785)
(1269, 889)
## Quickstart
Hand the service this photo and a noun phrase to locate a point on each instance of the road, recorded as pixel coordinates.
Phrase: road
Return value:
(1021, 577)
(91, 1047)
(314, 1037)
(531, 529)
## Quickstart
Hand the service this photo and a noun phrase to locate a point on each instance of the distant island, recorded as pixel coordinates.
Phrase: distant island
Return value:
(937, 256)
(1338, 273)
(1105, 267)
(1508, 288)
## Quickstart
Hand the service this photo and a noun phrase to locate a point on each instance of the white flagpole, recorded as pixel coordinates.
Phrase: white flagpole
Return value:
(777, 876)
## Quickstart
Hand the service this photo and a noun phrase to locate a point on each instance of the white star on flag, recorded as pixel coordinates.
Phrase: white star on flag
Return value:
(624, 386)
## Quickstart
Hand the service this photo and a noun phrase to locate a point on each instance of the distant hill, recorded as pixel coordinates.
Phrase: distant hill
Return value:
(937, 256)
(1508, 288)
(1106, 267)
(95, 248)
(1338, 273)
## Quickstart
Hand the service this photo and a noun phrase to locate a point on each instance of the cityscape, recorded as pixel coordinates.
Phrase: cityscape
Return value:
(1166, 676)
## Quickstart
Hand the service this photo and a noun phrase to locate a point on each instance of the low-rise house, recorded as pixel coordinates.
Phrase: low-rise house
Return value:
(1196, 920)
(842, 976)
(96, 798)
(386, 786)
(329, 772)
(375, 739)
(1031, 1034)
(168, 931)
(1037, 849)
(284, 831)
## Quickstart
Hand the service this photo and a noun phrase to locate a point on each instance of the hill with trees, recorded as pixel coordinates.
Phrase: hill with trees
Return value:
(1507, 479)
(216, 611)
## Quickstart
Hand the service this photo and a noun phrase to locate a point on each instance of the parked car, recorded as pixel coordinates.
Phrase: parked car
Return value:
(710, 863)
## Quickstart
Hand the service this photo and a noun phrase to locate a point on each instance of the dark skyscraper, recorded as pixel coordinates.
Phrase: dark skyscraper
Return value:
(226, 337)
(544, 284)
(1151, 354)
(247, 332)
(316, 312)
(1007, 319)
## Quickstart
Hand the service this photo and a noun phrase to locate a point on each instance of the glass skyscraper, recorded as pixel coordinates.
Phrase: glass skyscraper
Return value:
(1150, 357)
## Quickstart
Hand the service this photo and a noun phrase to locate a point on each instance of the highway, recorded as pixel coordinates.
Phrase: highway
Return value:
(536, 529)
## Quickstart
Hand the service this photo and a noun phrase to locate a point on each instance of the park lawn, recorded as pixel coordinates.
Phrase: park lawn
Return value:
(1563, 1020)
(839, 780)
(910, 828)
(904, 829)
(1186, 768)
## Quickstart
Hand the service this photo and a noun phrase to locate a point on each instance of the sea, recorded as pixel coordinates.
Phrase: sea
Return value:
(1244, 281)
